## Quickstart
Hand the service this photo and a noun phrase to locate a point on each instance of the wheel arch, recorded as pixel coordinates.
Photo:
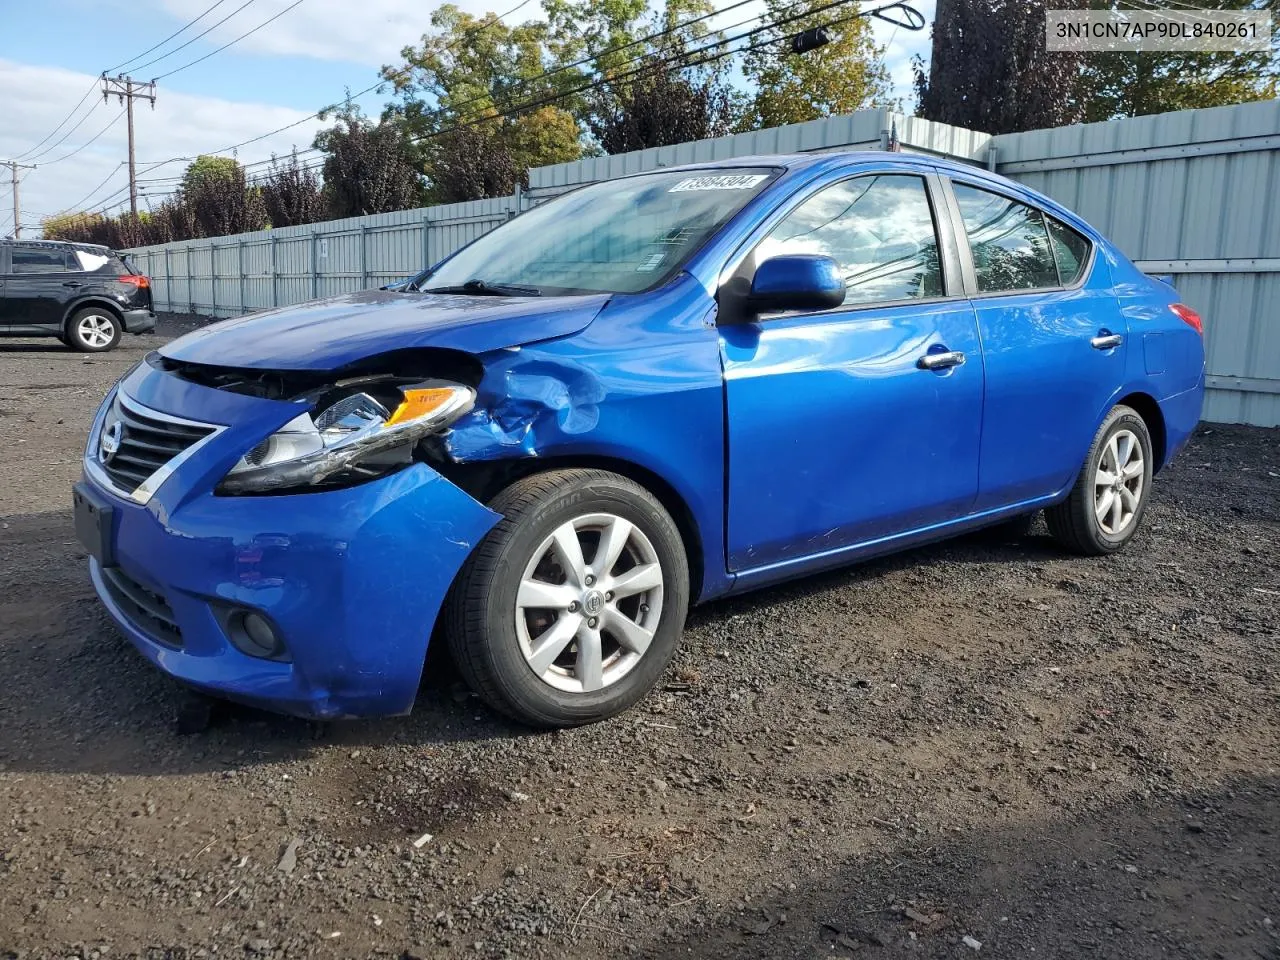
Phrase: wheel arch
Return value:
(1148, 408)
(92, 301)
(484, 479)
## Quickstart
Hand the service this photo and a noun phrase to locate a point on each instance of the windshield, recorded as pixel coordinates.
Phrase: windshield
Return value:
(619, 236)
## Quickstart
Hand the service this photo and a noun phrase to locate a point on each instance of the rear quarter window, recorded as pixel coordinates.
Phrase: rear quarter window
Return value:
(1071, 250)
(91, 262)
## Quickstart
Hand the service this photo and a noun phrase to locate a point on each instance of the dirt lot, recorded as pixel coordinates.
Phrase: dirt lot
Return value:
(973, 744)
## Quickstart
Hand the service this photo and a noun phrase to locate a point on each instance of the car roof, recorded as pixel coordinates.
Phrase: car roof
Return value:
(57, 245)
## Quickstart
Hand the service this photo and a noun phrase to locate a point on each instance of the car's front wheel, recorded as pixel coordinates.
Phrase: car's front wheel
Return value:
(1107, 503)
(93, 330)
(571, 607)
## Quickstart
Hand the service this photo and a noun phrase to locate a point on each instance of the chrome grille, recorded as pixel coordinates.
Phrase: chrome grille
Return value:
(142, 442)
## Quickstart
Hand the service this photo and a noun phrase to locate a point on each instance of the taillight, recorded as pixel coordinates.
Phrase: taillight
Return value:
(135, 280)
(1189, 317)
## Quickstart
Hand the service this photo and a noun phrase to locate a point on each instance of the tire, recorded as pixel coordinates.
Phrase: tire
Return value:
(503, 643)
(93, 330)
(1089, 522)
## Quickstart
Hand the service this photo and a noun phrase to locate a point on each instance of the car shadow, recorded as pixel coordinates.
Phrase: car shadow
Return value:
(91, 704)
(51, 345)
(1164, 874)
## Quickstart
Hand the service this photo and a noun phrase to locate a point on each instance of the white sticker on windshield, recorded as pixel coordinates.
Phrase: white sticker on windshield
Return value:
(651, 263)
(741, 181)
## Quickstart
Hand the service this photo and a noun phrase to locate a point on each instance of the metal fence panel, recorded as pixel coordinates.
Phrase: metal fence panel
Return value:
(1192, 194)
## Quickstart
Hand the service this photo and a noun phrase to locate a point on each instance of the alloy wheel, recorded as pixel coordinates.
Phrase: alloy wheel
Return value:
(95, 330)
(1118, 482)
(585, 624)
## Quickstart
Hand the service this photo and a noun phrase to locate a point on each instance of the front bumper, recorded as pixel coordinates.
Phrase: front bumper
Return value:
(352, 578)
(139, 321)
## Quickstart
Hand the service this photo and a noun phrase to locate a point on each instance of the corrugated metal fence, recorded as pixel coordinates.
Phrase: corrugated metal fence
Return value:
(1193, 194)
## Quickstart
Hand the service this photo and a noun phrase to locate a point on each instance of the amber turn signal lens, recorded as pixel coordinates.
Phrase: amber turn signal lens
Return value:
(418, 403)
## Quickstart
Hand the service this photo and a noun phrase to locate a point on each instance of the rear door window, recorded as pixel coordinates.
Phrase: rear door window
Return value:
(36, 260)
(1008, 240)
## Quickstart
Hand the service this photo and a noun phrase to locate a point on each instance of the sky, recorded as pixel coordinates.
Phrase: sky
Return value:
(52, 53)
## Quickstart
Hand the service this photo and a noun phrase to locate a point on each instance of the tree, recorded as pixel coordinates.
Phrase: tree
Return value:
(471, 163)
(990, 71)
(845, 75)
(480, 72)
(291, 193)
(1134, 84)
(368, 167)
(219, 198)
(661, 106)
(656, 92)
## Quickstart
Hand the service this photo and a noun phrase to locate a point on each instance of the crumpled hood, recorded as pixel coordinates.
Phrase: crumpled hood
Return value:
(328, 334)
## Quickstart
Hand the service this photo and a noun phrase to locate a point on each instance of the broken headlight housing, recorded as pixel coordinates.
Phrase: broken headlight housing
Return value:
(355, 433)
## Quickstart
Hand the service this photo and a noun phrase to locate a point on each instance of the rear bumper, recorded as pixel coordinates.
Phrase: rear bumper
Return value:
(1181, 415)
(139, 321)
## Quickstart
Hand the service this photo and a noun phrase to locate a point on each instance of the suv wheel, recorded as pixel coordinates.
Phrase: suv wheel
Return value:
(93, 330)
(571, 607)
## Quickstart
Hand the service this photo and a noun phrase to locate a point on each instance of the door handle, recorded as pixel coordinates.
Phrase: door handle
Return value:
(940, 361)
(73, 284)
(1106, 341)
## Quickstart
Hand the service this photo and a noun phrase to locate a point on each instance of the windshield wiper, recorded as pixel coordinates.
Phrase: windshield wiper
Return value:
(482, 288)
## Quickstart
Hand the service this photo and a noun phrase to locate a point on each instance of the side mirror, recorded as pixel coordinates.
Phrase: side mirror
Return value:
(798, 281)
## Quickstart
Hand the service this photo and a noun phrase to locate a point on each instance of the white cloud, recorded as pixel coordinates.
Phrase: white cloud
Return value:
(181, 125)
(369, 32)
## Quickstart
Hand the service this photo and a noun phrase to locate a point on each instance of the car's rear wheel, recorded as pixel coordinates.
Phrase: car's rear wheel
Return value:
(93, 330)
(571, 607)
(1107, 503)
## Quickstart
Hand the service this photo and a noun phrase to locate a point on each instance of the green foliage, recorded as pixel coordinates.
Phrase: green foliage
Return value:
(369, 167)
(661, 107)
(460, 78)
(291, 193)
(216, 192)
(1134, 84)
(847, 74)
(990, 71)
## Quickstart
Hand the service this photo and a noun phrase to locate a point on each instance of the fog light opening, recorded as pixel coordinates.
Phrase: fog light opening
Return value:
(255, 635)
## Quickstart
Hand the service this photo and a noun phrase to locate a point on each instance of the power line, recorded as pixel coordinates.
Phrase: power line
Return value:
(85, 198)
(495, 18)
(183, 46)
(87, 143)
(713, 51)
(225, 45)
(64, 120)
(61, 140)
(390, 78)
(94, 86)
(182, 29)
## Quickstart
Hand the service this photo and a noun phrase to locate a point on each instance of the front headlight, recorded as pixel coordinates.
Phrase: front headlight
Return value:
(348, 438)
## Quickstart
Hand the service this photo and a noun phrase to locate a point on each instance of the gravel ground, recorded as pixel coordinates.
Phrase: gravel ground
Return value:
(973, 749)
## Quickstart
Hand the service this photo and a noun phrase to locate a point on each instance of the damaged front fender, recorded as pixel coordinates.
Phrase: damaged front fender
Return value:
(527, 402)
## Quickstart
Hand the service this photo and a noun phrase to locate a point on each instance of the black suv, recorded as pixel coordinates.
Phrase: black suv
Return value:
(81, 293)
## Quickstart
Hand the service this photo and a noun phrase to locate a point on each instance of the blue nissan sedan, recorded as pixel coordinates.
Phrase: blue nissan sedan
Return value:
(644, 393)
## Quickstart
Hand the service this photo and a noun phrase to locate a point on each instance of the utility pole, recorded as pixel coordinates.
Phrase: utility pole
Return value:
(14, 167)
(127, 90)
